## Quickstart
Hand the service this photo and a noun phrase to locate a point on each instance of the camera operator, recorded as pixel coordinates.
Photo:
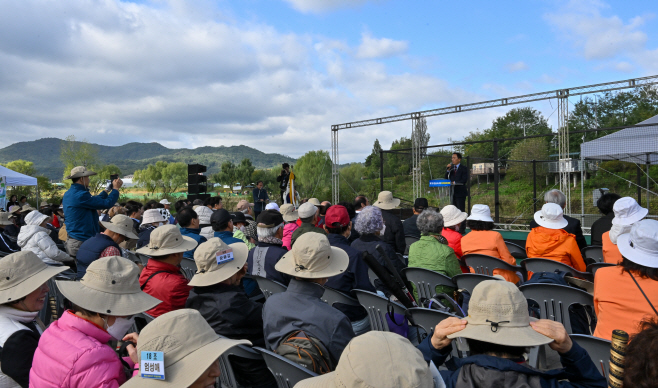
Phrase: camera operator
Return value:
(283, 178)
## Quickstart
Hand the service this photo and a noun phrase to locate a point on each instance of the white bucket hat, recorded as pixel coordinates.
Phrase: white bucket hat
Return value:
(204, 214)
(79, 172)
(35, 218)
(23, 272)
(207, 255)
(641, 245)
(189, 345)
(167, 240)
(121, 224)
(452, 215)
(386, 201)
(480, 213)
(628, 211)
(272, 206)
(498, 314)
(376, 359)
(289, 213)
(110, 286)
(307, 210)
(153, 215)
(551, 216)
(165, 202)
(313, 258)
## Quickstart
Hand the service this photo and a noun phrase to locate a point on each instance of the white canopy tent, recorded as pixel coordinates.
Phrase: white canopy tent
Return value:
(13, 178)
(638, 144)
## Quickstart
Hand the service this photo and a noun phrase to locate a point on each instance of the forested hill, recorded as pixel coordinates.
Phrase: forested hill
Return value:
(45, 153)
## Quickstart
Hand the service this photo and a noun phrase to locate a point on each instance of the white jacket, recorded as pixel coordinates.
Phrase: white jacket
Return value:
(37, 239)
(10, 322)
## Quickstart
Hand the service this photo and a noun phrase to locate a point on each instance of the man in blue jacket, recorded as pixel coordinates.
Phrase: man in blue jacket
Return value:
(80, 207)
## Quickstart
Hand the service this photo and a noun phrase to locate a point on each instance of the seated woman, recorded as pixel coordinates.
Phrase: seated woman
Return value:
(35, 237)
(23, 285)
(483, 240)
(452, 220)
(74, 351)
(151, 219)
(603, 224)
(627, 212)
(499, 332)
(625, 295)
(432, 251)
(550, 241)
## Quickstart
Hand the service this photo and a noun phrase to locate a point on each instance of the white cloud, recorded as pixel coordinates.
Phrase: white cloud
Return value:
(320, 6)
(516, 66)
(371, 48)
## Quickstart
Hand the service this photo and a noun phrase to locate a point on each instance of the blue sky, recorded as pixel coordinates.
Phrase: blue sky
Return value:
(275, 74)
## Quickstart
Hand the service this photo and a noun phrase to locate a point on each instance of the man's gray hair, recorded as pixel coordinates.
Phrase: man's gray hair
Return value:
(430, 221)
(556, 196)
(268, 232)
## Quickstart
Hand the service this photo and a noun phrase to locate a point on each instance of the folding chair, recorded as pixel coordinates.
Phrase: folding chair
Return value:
(428, 319)
(594, 252)
(269, 287)
(286, 373)
(468, 281)
(517, 251)
(332, 296)
(485, 265)
(596, 266)
(554, 301)
(426, 281)
(377, 308)
(598, 350)
(188, 268)
(144, 259)
(409, 240)
(548, 265)
(141, 320)
(372, 276)
(227, 378)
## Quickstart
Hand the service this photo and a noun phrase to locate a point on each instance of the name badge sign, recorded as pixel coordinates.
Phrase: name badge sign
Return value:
(152, 366)
(224, 256)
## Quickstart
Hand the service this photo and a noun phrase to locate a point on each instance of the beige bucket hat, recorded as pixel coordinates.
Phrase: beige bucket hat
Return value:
(289, 213)
(166, 240)
(14, 209)
(27, 208)
(189, 345)
(498, 314)
(208, 254)
(314, 201)
(376, 359)
(386, 201)
(79, 172)
(551, 216)
(313, 258)
(121, 224)
(452, 216)
(4, 219)
(110, 286)
(23, 272)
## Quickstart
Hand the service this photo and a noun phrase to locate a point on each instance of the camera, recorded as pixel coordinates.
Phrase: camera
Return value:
(114, 177)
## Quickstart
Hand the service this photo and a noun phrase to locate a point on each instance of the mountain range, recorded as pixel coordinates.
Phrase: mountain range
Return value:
(44, 153)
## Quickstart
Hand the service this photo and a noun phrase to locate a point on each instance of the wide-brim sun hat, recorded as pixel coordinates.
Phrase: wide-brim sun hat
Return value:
(628, 211)
(4, 219)
(314, 201)
(312, 257)
(79, 172)
(189, 346)
(452, 215)
(551, 216)
(498, 314)
(166, 240)
(386, 201)
(110, 286)
(289, 213)
(480, 212)
(14, 209)
(641, 245)
(208, 256)
(121, 224)
(23, 272)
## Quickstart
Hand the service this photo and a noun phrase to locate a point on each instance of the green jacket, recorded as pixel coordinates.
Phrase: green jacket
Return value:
(303, 229)
(237, 233)
(430, 254)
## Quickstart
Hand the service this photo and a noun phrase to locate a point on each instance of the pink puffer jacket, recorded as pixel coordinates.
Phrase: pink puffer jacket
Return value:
(73, 353)
(288, 229)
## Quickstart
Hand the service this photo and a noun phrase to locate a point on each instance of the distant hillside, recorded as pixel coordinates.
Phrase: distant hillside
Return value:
(44, 153)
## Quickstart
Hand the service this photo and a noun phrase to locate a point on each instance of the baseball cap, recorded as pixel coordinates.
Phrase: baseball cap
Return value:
(421, 203)
(337, 214)
(307, 210)
(221, 216)
(269, 219)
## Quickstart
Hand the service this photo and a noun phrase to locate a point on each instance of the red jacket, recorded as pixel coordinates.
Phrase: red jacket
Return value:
(170, 286)
(454, 241)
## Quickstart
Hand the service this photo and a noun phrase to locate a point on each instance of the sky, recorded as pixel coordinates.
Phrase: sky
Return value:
(276, 74)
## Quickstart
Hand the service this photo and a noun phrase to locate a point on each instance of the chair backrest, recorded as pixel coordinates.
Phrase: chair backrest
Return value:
(409, 240)
(286, 373)
(468, 281)
(227, 378)
(268, 286)
(554, 301)
(485, 265)
(596, 266)
(598, 350)
(188, 267)
(332, 296)
(141, 320)
(427, 318)
(593, 252)
(516, 250)
(426, 281)
(548, 265)
(377, 307)
(372, 276)
(143, 258)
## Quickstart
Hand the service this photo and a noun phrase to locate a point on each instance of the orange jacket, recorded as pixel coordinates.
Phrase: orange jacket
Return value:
(555, 244)
(611, 253)
(490, 243)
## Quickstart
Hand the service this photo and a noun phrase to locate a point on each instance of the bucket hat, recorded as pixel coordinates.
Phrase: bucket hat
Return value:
(480, 213)
(313, 258)
(14, 209)
(307, 210)
(167, 240)
(189, 345)
(243, 204)
(376, 359)
(27, 208)
(204, 214)
(208, 256)
(289, 213)
(314, 201)
(165, 202)
(641, 245)
(498, 314)
(110, 286)
(153, 215)
(272, 206)
(23, 272)
(121, 224)
(79, 172)
(628, 211)
(551, 216)
(4, 219)
(35, 218)
(386, 201)
(453, 216)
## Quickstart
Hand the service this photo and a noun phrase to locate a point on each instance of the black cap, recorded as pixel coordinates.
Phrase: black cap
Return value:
(285, 165)
(269, 219)
(421, 203)
(238, 217)
(220, 217)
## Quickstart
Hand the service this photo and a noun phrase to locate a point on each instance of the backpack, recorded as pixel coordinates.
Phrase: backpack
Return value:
(306, 351)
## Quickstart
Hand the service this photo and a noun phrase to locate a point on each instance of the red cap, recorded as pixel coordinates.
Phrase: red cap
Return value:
(336, 213)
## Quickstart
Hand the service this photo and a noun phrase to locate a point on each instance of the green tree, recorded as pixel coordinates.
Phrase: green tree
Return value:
(528, 149)
(313, 174)
(98, 182)
(227, 176)
(22, 166)
(244, 172)
(423, 136)
(372, 160)
(162, 176)
(78, 153)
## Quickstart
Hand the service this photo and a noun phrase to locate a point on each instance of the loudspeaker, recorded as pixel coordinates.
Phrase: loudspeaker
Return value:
(193, 197)
(195, 169)
(195, 179)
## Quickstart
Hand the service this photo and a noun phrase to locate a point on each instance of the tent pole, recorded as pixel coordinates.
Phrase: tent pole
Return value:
(37, 196)
(582, 190)
(648, 171)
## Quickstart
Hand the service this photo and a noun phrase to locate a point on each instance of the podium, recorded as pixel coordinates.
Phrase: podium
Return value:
(444, 189)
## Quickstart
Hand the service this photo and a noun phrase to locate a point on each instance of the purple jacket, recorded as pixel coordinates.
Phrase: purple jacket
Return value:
(73, 352)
